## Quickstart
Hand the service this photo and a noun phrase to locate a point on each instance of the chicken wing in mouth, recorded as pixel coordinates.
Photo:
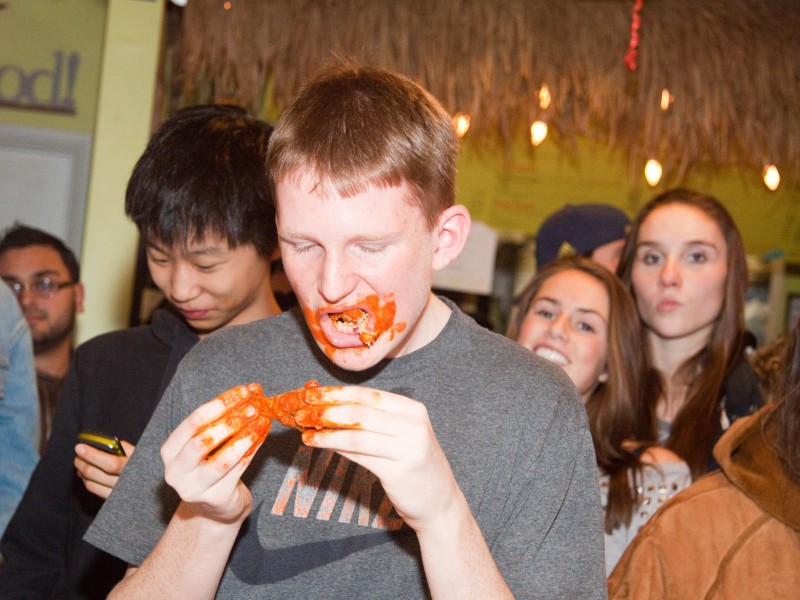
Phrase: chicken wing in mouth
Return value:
(355, 320)
(250, 412)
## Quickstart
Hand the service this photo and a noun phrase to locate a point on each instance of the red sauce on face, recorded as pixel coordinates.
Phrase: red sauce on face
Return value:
(382, 314)
(316, 330)
(382, 321)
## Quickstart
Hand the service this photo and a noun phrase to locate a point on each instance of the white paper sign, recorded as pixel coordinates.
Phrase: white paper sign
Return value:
(473, 271)
(43, 181)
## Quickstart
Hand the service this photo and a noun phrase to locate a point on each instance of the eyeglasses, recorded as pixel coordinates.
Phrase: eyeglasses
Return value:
(42, 287)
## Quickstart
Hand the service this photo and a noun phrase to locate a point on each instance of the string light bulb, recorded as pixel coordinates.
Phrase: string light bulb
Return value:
(461, 123)
(652, 172)
(544, 97)
(772, 178)
(538, 132)
(666, 99)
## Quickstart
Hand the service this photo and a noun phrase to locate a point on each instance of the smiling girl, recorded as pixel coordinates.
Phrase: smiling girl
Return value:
(684, 263)
(578, 315)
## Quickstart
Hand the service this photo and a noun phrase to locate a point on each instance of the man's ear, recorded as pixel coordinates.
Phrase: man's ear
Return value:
(453, 228)
(78, 291)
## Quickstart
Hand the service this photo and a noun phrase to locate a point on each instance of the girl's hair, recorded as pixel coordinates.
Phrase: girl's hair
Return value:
(617, 409)
(694, 429)
(785, 417)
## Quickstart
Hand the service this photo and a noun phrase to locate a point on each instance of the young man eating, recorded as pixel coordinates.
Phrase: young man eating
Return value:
(449, 462)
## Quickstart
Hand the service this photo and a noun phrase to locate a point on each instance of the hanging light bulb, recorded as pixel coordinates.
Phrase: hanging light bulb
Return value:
(772, 179)
(461, 123)
(652, 172)
(538, 132)
(544, 97)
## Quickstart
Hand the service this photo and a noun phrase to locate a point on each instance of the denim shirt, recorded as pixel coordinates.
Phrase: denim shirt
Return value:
(19, 406)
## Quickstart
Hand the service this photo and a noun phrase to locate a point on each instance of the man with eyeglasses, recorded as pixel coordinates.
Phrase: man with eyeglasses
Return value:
(44, 275)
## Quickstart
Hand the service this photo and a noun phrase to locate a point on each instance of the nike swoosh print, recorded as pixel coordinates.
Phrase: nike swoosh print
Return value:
(255, 565)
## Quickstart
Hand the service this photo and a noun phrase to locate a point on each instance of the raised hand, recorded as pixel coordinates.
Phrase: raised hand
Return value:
(205, 456)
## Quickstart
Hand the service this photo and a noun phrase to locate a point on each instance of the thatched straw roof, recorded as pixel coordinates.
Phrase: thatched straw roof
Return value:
(732, 67)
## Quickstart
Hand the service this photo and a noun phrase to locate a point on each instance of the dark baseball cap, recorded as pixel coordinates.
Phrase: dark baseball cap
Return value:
(579, 229)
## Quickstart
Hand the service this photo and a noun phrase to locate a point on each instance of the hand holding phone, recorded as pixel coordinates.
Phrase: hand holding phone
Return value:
(100, 465)
(101, 441)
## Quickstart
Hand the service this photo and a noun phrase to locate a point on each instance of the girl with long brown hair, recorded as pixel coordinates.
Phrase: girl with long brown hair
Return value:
(735, 533)
(684, 263)
(579, 316)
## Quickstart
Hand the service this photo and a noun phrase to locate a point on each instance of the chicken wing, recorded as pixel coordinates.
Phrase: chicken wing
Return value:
(357, 321)
(250, 413)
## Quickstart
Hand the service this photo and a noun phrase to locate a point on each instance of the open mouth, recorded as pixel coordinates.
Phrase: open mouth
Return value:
(553, 356)
(354, 320)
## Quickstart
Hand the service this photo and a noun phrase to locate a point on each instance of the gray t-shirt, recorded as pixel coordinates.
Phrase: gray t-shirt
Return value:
(511, 425)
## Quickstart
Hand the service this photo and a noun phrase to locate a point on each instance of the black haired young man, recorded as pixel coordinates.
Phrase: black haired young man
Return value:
(200, 199)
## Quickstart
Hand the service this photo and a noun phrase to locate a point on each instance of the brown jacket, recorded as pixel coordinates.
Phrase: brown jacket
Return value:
(732, 534)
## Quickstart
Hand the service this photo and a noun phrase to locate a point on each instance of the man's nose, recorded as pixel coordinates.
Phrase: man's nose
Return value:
(183, 284)
(26, 297)
(336, 279)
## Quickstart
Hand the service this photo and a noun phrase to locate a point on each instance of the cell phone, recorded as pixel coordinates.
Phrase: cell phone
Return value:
(102, 441)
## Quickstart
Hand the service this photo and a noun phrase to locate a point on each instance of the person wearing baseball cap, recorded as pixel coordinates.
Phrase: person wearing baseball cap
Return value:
(596, 231)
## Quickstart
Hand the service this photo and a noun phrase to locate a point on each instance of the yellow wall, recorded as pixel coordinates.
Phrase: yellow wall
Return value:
(515, 194)
(126, 95)
(32, 32)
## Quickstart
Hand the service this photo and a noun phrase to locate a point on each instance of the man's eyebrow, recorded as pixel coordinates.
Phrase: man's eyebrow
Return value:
(36, 275)
(210, 249)
(377, 238)
(153, 245)
(295, 233)
(46, 273)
